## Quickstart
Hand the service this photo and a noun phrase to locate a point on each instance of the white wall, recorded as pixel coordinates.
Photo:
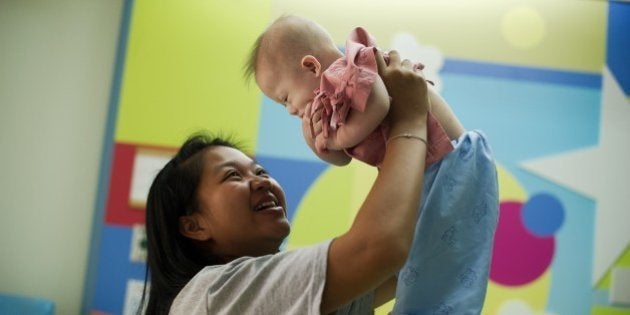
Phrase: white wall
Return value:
(56, 65)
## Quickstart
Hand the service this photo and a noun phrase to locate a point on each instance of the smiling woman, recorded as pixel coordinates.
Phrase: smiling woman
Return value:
(172, 257)
(238, 203)
(216, 219)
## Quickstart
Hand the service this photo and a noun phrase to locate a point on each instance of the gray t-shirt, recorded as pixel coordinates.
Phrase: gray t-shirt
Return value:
(289, 282)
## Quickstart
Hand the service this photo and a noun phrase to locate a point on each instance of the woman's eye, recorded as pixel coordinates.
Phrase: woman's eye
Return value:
(231, 174)
(262, 172)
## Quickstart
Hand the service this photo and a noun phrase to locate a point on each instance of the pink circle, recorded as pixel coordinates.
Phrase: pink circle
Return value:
(519, 257)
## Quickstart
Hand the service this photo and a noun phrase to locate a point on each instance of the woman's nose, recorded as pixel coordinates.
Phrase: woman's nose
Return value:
(260, 183)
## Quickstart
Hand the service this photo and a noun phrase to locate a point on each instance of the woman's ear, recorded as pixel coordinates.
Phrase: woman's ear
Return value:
(191, 227)
(311, 64)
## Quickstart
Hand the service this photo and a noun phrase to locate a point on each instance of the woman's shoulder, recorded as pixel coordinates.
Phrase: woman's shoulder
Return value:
(286, 256)
(220, 286)
(249, 264)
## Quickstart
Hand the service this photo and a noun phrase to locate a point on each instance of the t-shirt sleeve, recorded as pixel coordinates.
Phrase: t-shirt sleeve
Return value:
(362, 305)
(289, 282)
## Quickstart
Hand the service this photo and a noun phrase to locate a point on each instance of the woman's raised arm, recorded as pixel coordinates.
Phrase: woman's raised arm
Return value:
(378, 242)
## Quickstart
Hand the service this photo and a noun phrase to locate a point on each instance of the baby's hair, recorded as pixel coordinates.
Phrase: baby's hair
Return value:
(250, 64)
(287, 39)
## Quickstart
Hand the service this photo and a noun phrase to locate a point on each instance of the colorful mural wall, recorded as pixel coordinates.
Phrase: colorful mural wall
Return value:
(547, 81)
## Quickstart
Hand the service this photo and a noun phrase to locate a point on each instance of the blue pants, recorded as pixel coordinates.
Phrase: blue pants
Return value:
(448, 266)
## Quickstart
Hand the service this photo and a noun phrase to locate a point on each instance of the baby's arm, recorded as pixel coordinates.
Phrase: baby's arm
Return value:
(335, 157)
(445, 115)
(359, 125)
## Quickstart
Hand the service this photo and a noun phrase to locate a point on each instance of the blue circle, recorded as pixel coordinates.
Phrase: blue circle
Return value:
(543, 214)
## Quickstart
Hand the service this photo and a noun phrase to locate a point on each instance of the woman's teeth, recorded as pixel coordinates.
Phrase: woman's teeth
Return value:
(264, 205)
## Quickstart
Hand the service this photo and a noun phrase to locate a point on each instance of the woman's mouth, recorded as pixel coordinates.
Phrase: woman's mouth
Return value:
(266, 205)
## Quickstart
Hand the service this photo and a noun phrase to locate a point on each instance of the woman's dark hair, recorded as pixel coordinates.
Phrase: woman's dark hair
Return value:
(173, 259)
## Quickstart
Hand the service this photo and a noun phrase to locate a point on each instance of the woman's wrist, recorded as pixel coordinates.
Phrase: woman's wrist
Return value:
(406, 136)
(416, 127)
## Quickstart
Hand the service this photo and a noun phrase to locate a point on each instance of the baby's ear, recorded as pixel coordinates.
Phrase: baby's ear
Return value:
(311, 64)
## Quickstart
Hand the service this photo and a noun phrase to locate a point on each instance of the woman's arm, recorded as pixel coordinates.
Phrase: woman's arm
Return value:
(378, 242)
(385, 292)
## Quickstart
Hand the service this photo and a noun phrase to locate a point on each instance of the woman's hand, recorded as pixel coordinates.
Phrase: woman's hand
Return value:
(407, 87)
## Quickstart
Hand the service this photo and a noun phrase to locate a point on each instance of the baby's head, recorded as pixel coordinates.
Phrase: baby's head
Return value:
(287, 61)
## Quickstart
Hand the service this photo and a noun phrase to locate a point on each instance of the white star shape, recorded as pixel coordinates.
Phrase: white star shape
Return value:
(602, 173)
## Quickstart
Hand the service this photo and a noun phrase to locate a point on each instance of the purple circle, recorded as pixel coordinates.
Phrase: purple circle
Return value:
(519, 257)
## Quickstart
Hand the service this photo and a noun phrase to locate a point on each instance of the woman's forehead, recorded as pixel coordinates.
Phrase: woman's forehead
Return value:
(219, 156)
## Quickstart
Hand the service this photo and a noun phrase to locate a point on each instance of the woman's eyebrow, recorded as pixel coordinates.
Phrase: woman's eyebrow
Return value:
(223, 165)
(233, 164)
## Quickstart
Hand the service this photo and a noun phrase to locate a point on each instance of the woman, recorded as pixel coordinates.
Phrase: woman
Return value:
(216, 220)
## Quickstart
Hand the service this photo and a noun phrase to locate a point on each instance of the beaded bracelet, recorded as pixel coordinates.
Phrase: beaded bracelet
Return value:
(406, 136)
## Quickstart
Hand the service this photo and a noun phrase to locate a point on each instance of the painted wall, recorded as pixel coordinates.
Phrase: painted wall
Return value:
(546, 80)
(56, 61)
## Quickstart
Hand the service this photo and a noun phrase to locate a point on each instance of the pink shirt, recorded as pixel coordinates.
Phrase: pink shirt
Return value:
(346, 85)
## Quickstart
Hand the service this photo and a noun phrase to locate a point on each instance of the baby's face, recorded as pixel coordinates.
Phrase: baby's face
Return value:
(292, 87)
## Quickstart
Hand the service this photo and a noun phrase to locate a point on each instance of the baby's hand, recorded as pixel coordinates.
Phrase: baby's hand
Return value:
(316, 125)
(321, 144)
(315, 128)
(314, 121)
(316, 138)
(311, 131)
(320, 135)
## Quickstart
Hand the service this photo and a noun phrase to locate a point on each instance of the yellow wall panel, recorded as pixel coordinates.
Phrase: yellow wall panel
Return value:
(183, 70)
(559, 34)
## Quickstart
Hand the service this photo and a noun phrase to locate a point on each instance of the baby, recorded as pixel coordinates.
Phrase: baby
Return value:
(340, 98)
(343, 104)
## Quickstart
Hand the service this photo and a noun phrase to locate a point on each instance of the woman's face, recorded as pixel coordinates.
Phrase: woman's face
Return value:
(241, 205)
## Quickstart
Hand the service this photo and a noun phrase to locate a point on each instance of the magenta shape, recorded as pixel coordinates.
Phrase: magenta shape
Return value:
(519, 257)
